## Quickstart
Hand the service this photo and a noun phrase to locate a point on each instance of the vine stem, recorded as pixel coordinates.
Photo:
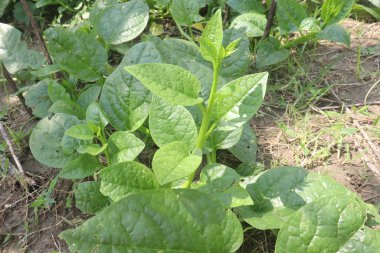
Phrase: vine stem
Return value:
(36, 31)
(268, 26)
(202, 137)
(14, 88)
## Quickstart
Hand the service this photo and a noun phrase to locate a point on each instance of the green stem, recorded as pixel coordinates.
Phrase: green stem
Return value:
(185, 34)
(213, 156)
(202, 136)
(299, 40)
(191, 33)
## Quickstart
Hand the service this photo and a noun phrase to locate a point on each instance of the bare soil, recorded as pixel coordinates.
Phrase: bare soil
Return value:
(26, 229)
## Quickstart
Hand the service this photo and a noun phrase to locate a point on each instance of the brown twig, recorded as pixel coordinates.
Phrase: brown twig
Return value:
(36, 31)
(226, 14)
(268, 26)
(9, 144)
(14, 88)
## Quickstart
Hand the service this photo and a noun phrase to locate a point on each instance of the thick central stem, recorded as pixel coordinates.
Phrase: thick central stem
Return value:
(202, 137)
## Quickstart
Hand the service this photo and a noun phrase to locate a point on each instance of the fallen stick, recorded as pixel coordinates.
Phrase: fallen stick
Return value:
(14, 89)
(9, 144)
(268, 26)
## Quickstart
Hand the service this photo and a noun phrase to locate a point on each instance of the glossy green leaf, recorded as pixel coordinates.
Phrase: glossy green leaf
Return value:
(124, 146)
(310, 25)
(186, 12)
(45, 140)
(245, 150)
(213, 31)
(205, 75)
(169, 123)
(173, 162)
(253, 23)
(280, 192)
(92, 149)
(237, 64)
(37, 98)
(95, 115)
(290, 14)
(83, 166)
(57, 91)
(269, 52)
(321, 226)
(121, 179)
(66, 107)
(88, 198)
(88, 96)
(240, 99)
(76, 52)
(243, 6)
(208, 50)
(81, 132)
(335, 33)
(222, 183)
(184, 50)
(171, 83)
(334, 11)
(159, 221)
(124, 99)
(14, 53)
(47, 70)
(364, 240)
(128, 21)
(224, 139)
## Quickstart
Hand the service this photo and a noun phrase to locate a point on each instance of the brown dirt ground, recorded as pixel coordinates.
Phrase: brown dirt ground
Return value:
(37, 230)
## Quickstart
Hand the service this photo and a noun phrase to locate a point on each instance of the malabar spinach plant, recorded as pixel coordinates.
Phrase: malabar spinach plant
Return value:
(193, 109)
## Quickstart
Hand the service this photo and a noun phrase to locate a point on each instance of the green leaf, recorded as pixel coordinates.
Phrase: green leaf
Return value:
(212, 36)
(66, 107)
(310, 25)
(121, 179)
(269, 52)
(128, 21)
(253, 23)
(278, 193)
(88, 96)
(88, 198)
(92, 149)
(45, 140)
(208, 50)
(222, 183)
(171, 83)
(321, 226)
(81, 132)
(205, 75)
(243, 6)
(290, 14)
(364, 240)
(173, 162)
(245, 150)
(169, 123)
(57, 92)
(14, 53)
(124, 99)
(237, 64)
(184, 50)
(334, 11)
(82, 167)
(124, 146)
(335, 33)
(224, 139)
(159, 221)
(240, 99)
(3, 6)
(95, 115)
(77, 53)
(47, 70)
(37, 98)
(186, 12)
